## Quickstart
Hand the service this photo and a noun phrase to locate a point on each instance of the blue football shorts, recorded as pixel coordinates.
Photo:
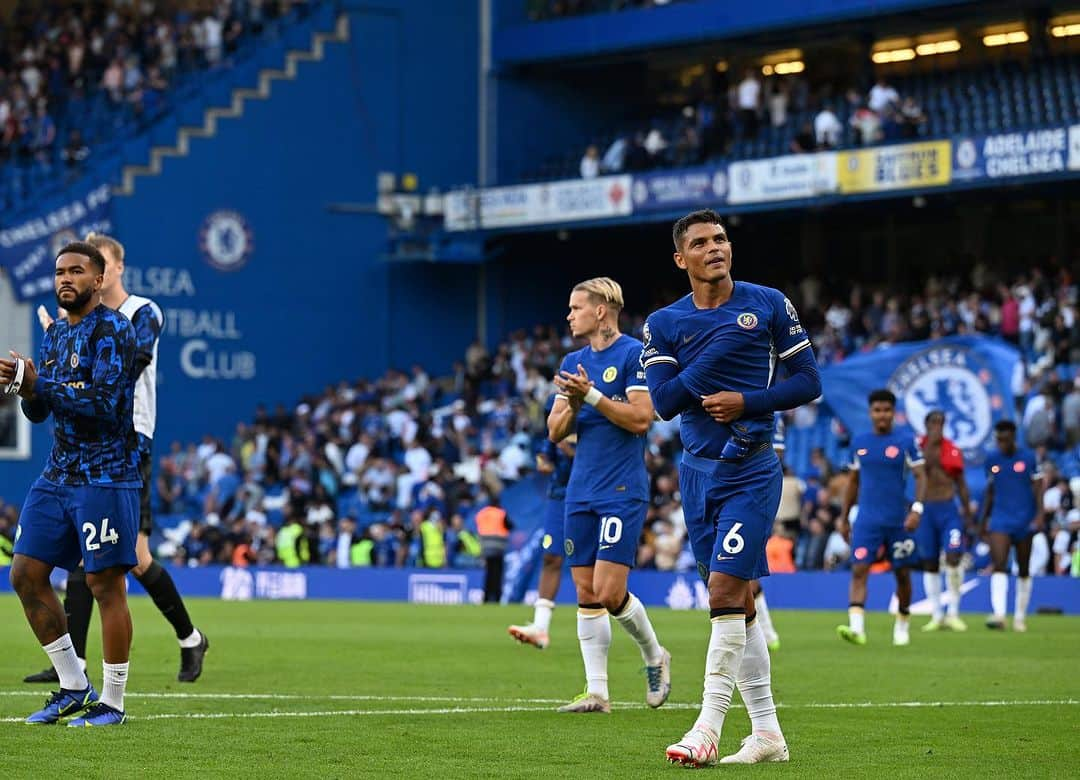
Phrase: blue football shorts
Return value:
(63, 525)
(603, 530)
(730, 508)
(941, 528)
(869, 533)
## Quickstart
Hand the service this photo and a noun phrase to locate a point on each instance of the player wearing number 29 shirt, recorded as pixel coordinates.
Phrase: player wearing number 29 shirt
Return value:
(86, 503)
(881, 461)
(711, 358)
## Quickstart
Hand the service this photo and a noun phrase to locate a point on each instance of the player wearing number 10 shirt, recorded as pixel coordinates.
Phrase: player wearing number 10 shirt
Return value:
(602, 395)
(711, 358)
(85, 505)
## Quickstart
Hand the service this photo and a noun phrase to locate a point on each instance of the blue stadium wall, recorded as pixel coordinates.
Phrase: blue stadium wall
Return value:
(315, 302)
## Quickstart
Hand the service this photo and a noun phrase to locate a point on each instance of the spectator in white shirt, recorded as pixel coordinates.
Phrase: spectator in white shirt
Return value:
(748, 102)
(883, 97)
(590, 163)
(827, 128)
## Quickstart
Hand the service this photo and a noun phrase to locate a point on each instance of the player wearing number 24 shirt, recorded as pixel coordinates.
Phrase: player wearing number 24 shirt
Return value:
(86, 503)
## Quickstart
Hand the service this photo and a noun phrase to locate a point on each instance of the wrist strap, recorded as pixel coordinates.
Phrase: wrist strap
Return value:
(917, 507)
(16, 383)
(592, 398)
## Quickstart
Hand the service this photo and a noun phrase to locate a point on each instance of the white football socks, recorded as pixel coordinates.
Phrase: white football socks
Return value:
(954, 578)
(764, 619)
(727, 644)
(755, 682)
(999, 593)
(635, 620)
(1023, 598)
(594, 636)
(72, 674)
(194, 640)
(931, 581)
(857, 619)
(542, 613)
(114, 680)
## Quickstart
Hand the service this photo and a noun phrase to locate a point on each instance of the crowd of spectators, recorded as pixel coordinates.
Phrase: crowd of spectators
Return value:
(753, 108)
(73, 74)
(542, 10)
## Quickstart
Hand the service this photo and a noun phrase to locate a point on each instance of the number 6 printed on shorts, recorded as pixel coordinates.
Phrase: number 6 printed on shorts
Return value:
(732, 541)
(105, 535)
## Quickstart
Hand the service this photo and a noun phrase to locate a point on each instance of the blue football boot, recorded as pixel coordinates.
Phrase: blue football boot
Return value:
(99, 715)
(64, 704)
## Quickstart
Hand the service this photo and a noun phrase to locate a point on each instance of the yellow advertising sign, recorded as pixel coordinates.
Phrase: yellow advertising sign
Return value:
(899, 167)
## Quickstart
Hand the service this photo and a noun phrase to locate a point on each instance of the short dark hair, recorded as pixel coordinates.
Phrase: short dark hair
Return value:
(882, 395)
(932, 414)
(86, 250)
(1004, 426)
(700, 217)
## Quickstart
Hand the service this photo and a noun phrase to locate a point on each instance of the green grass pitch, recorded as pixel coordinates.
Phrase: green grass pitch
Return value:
(340, 689)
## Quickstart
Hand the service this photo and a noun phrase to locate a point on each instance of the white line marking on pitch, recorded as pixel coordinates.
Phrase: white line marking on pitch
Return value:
(510, 709)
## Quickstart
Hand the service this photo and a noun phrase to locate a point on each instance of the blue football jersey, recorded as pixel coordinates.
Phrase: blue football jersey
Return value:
(883, 461)
(733, 347)
(1012, 477)
(609, 461)
(86, 380)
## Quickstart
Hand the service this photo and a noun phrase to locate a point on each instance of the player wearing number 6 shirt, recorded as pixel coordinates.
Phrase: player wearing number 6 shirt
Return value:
(711, 359)
(85, 505)
(880, 463)
(602, 395)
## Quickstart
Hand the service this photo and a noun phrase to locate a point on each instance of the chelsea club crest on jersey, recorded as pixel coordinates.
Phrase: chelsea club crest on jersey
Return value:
(226, 240)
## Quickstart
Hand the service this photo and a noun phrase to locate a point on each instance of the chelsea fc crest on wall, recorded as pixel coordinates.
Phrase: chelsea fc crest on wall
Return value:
(226, 240)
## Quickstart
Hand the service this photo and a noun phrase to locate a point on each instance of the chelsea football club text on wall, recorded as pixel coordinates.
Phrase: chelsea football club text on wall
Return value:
(210, 337)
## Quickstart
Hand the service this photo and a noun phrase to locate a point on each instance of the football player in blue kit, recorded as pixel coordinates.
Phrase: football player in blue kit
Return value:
(1013, 505)
(556, 461)
(85, 505)
(880, 464)
(602, 396)
(711, 358)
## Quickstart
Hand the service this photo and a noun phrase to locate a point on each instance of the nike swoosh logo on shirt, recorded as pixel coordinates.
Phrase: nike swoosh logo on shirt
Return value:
(49, 363)
(691, 337)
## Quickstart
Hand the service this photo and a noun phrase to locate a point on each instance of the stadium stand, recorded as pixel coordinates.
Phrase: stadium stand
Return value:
(376, 458)
(984, 98)
(87, 87)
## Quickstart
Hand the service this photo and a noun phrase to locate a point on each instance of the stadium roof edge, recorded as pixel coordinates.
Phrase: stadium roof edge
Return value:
(596, 35)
